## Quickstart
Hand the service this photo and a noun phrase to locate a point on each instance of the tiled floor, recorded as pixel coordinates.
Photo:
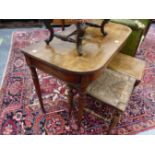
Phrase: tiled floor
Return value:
(5, 43)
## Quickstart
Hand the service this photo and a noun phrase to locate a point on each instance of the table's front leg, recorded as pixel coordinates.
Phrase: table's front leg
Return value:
(82, 98)
(70, 98)
(36, 82)
(81, 104)
(37, 87)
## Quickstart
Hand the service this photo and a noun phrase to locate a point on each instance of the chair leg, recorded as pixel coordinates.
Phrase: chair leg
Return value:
(115, 121)
(63, 24)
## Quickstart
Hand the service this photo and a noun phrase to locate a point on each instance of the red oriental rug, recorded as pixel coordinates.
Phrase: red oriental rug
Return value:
(19, 107)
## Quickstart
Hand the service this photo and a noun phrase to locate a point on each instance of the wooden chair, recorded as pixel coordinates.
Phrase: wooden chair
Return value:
(64, 22)
(128, 65)
(115, 85)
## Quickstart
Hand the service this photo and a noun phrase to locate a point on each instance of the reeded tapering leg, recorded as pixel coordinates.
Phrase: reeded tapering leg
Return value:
(70, 99)
(37, 86)
(115, 121)
(85, 81)
(81, 104)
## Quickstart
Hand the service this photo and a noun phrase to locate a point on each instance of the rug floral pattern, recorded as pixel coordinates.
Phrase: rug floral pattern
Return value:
(20, 111)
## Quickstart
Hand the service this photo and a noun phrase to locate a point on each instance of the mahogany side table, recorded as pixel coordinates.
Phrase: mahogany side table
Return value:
(61, 60)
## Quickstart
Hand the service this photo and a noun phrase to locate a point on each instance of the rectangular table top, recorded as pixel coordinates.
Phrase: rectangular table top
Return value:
(97, 50)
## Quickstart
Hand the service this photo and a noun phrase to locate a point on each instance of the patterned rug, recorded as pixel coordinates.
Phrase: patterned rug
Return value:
(20, 111)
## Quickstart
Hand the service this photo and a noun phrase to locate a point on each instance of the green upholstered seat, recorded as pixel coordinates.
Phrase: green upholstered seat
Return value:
(139, 27)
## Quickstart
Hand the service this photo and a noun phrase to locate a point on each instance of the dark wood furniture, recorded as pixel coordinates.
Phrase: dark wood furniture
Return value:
(61, 60)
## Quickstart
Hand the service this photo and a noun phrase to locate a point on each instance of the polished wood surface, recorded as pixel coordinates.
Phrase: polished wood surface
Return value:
(97, 50)
(61, 60)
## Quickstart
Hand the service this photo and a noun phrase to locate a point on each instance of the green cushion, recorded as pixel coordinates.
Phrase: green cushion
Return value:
(134, 39)
(128, 22)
